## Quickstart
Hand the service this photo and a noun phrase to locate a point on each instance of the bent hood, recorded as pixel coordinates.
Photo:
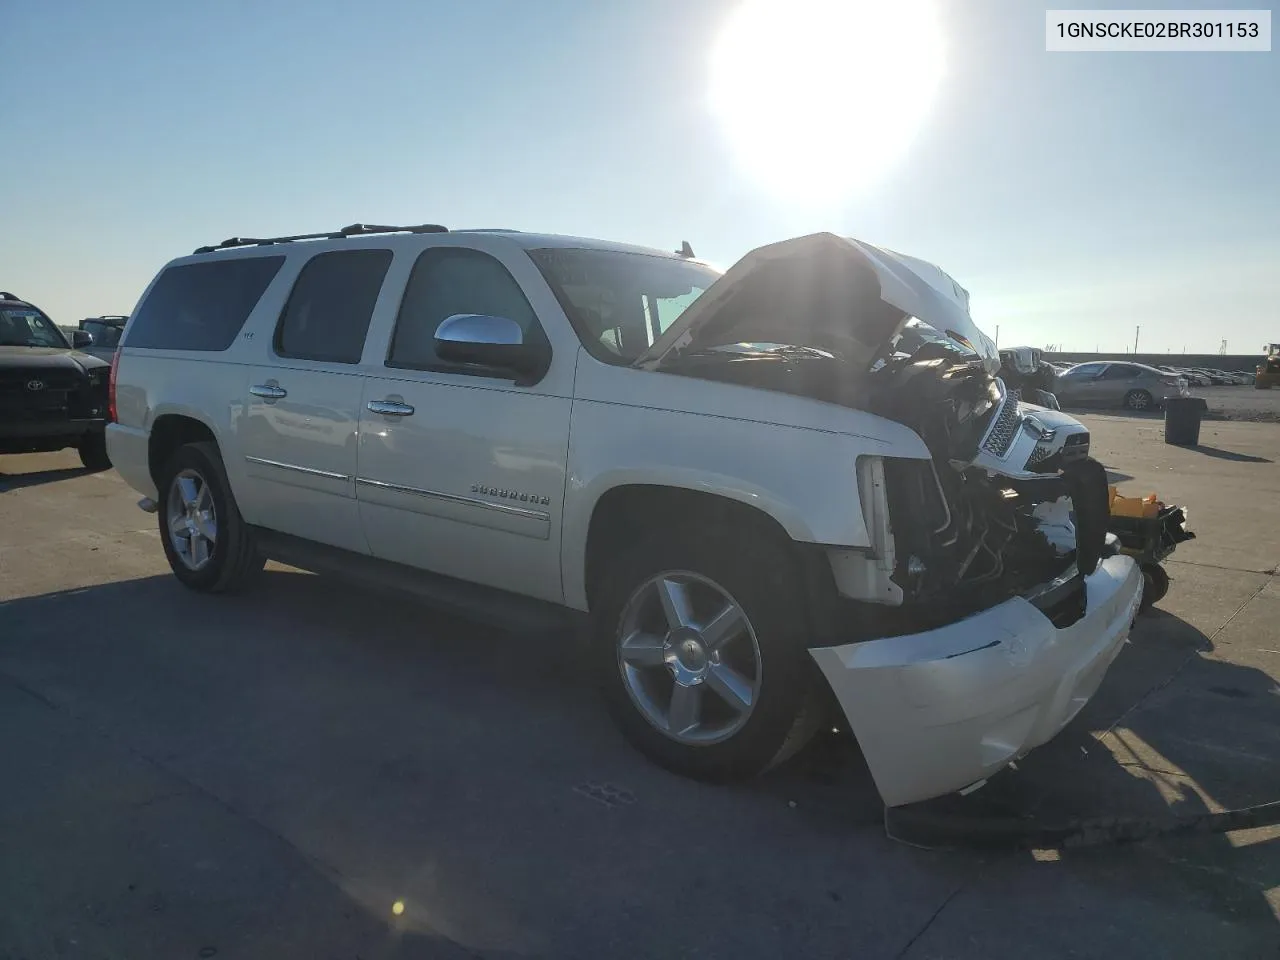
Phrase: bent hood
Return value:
(832, 293)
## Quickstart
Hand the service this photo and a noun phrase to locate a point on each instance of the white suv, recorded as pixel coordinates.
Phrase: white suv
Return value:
(802, 469)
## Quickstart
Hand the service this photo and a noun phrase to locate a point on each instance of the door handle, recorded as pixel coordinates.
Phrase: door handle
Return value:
(268, 391)
(390, 408)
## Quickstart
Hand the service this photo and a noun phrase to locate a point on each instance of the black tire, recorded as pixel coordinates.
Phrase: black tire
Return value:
(1155, 585)
(755, 572)
(234, 559)
(1139, 400)
(93, 451)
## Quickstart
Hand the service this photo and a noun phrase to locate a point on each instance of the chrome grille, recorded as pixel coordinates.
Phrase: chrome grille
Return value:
(1004, 429)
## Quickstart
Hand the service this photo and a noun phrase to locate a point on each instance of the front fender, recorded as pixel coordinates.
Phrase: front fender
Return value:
(804, 479)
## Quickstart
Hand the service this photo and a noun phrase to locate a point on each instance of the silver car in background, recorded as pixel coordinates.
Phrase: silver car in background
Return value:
(1134, 386)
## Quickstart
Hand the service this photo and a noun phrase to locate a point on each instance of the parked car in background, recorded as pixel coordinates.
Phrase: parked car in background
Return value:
(105, 331)
(52, 396)
(1135, 386)
(1193, 377)
(1215, 377)
(722, 474)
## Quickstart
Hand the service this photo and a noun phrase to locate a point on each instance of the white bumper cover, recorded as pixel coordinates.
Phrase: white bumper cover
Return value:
(937, 711)
(130, 455)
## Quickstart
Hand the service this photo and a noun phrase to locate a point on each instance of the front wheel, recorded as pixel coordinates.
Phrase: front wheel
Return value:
(1138, 400)
(93, 451)
(209, 546)
(700, 650)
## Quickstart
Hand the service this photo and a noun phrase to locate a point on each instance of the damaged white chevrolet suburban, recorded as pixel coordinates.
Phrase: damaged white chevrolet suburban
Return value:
(799, 473)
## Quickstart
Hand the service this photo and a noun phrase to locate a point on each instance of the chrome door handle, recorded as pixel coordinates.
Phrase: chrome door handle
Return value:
(390, 408)
(268, 391)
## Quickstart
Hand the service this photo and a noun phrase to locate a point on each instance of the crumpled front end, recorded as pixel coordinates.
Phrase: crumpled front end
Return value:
(940, 710)
(999, 600)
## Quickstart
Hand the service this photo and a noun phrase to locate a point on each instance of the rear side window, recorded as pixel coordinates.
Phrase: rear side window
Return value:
(201, 306)
(328, 312)
(1118, 371)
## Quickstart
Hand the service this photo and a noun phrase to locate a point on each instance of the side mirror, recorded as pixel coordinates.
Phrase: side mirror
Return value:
(81, 338)
(491, 342)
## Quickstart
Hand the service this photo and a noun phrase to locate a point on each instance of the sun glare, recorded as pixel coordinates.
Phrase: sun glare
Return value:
(820, 97)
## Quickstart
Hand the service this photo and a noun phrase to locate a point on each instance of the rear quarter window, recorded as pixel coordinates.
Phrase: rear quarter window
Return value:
(201, 306)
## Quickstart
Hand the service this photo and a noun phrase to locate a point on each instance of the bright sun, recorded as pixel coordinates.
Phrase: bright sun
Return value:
(819, 97)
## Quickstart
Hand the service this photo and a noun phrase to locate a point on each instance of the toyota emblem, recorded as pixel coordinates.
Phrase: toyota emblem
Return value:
(35, 384)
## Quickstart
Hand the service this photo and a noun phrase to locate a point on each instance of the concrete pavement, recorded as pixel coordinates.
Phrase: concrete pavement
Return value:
(270, 775)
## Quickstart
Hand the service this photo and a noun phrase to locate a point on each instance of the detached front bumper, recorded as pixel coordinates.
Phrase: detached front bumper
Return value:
(937, 711)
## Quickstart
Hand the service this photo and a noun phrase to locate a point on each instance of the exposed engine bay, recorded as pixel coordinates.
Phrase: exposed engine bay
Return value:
(1011, 499)
(1009, 502)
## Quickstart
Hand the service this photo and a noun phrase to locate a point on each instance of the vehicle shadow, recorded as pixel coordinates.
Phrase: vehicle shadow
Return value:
(1173, 731)
(1220, 454)
(16, 481)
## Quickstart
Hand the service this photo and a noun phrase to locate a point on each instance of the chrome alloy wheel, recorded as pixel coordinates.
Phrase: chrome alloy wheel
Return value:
(689, 657)
(192, 520)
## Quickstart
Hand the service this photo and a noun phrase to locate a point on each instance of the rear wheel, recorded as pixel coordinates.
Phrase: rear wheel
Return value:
(1138, 400)
(93, 451)
(699, 647)
(209, 546)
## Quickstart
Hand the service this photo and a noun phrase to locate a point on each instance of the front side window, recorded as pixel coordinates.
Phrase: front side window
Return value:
(620, 302)
(1084, 371)
(104, 334)
(449, 281)
(328, 312)
(28, 327)
(203, 305)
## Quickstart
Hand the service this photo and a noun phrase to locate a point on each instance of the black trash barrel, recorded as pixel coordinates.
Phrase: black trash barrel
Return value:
(1182, 420)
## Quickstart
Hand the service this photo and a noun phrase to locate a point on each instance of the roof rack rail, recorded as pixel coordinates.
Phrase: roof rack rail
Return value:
(353, 230)
(6, 295)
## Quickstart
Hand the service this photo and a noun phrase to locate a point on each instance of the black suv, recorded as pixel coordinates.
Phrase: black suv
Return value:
(51, 395)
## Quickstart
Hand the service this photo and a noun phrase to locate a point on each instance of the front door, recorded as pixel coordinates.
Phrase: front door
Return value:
(462, 472)
(302, 410)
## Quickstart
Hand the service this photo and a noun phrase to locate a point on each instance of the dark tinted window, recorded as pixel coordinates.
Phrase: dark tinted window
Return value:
(449, 281)
(201, 306)
(1120, 371)
(328, 312)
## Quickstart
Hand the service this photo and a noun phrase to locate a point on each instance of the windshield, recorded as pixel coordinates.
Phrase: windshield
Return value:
(916, 333)
(619, 302)
(28, 327)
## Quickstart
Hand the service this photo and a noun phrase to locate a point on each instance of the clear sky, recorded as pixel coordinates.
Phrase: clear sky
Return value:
(1074, 195)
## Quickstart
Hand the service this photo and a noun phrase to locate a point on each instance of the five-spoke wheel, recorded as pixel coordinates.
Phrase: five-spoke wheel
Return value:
(689, 657)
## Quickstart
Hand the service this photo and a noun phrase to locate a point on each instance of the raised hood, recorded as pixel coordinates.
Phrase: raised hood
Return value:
(832, 293)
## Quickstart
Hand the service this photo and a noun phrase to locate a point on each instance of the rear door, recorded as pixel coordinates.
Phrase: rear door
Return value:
(302, 408)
